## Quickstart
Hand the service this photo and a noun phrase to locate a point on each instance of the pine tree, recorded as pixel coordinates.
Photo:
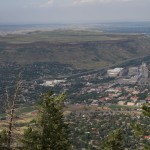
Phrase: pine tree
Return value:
(50, 132)
(31, 140)
(3, 140)
(146, 110)
(114, 141)
(139, 129)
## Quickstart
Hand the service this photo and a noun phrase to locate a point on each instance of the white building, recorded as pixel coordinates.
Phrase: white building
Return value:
(52, 83)
(130, 104)
(114, 72)
(144, 71)
(121, 103)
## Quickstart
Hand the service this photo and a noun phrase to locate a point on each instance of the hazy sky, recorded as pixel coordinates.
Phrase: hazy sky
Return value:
(68, 11)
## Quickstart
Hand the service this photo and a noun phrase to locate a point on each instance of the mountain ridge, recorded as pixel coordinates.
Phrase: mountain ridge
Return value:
(83, 50)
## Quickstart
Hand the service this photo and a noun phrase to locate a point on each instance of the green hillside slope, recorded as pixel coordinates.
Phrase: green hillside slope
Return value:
(82, 49)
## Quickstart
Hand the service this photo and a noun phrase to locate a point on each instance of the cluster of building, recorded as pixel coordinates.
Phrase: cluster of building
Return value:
(132, 75)
(121, 86)
(127, 96)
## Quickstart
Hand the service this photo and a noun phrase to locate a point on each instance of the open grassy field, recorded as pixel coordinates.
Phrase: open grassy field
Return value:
(23, 116)
(60, 36)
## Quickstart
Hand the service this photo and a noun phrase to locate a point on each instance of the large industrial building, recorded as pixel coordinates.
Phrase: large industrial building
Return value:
(144, 73)
(114, 72)
(135, 75)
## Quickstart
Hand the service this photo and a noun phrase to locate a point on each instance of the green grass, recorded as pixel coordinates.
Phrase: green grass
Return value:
(2, 115)
(61, 36)
(25, 110)
(21, 111)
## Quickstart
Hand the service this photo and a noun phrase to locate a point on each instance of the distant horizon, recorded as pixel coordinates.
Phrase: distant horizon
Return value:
(141, 27)
(69, 23)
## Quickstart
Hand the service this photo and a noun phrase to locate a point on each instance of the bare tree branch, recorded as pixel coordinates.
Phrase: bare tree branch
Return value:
(7, 98)
(12, 110)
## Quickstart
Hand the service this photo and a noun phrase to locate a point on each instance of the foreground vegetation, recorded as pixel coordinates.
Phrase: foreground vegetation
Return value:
(54, 126)
(49, 131)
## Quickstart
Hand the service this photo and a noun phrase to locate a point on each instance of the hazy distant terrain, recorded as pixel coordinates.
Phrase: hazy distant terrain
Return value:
(111, 27)
(82, 49)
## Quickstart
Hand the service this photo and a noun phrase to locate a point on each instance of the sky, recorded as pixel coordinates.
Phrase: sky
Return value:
(73, 11)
